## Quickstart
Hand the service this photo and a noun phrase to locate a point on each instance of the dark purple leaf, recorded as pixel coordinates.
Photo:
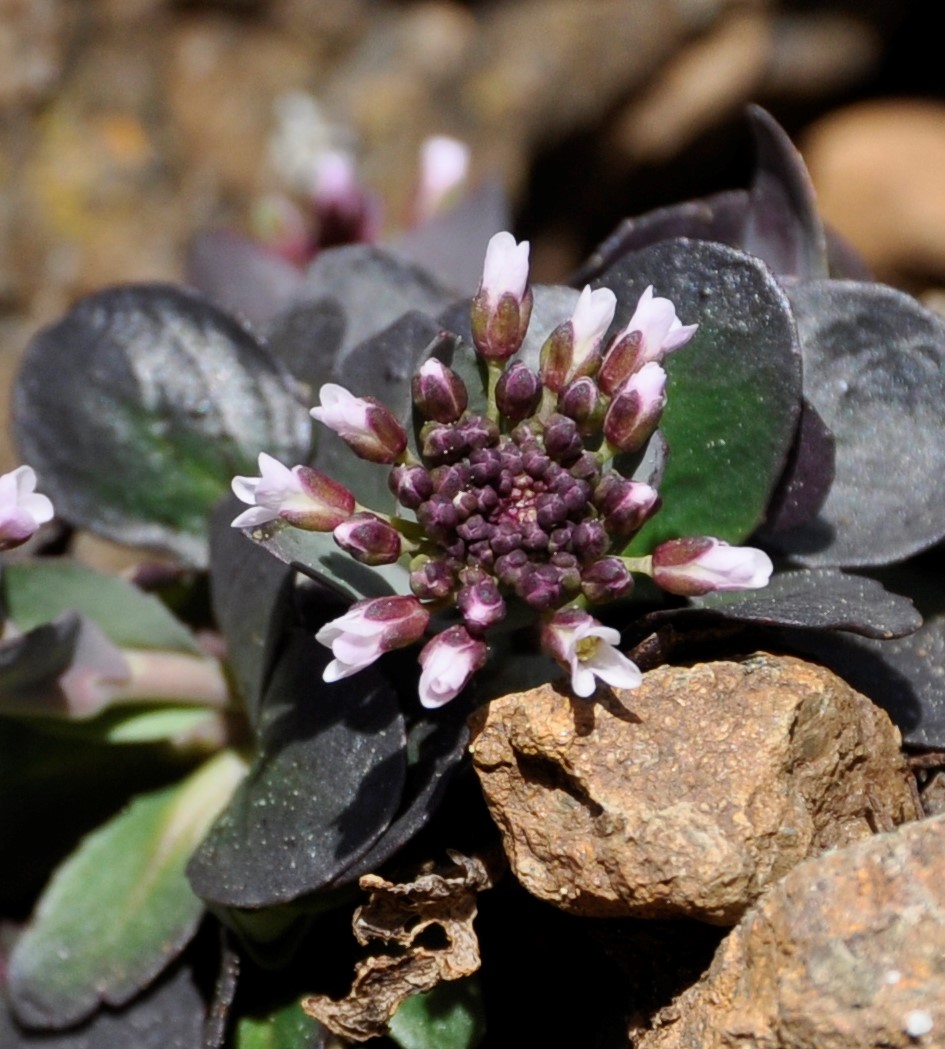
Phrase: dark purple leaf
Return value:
(807, 477)
(140, 405)
(874, 368)
(818, 598)
(782, 226)
(241, 276)
(326, 784)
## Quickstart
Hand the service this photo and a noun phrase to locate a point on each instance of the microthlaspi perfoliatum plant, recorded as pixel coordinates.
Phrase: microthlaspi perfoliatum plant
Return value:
(506, 482)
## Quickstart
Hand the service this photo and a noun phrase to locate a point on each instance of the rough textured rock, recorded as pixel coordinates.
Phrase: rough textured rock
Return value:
(689, 795)
(845, 953)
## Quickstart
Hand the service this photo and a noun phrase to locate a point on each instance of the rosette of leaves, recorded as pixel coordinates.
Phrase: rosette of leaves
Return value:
(138, 407)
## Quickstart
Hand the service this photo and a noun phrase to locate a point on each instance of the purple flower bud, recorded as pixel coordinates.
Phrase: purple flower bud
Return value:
(369, 629)
(550, 509)
(585, 468)
(509, 567)
(581, 401)
(441, 443)
(503, 304)
(369, 428)
(518, 392)
(605, 580)
(621, 360)
(410, 485)
(368, 539)
(448, 661)
(540, 587)
(449, 480)
(302, 496)
(438, 392)
(535, 463)
(589, 540)
(481, 605)
(561, 439)
(485, 465)
(438, 517)
(479, 432)
(625, 505)
(505, 538)
(431, 579)
(560, 539)
(698, 565)
(635, 411)
(474, 528)
(569, 572)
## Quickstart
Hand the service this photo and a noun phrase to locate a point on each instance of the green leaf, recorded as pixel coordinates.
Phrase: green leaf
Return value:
(157, 723)
(734, 392)
(448, 1017)
(140, 405)
(287, 1027)
(119, 909)
(35, 592)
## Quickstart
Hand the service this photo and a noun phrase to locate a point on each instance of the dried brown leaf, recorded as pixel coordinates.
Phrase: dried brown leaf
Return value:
(422, 934)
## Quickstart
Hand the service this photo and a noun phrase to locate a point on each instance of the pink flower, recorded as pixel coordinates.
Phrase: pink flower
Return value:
(366, 426)
(698, 565)
(22, 509)
(302, 496)
(503, 304)
(572, 349)
(448, 661)
(661, 330)
(369, 629)
(444, 165)
(654, 330)
(586, 649)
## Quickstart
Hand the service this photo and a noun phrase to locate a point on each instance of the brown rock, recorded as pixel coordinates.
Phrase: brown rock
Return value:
(689, 795)
(845, 953)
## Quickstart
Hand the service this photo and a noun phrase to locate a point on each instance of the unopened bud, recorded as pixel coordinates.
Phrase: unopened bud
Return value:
(635, 411)
(606, 580)
(698, 565)
(518, 392)
(561, 439)
(410, 485)
(481, 605)
(368, 539)
(431, 579)
(503, 305)
(438, 392)
(581, 401)
(624, 505)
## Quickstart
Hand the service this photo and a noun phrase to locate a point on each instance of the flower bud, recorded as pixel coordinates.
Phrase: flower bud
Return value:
(431, 579)
(438, 517)
(573, 348)
(369, 629)
(621, 360)
(303, 497)
(589, 540)
(581, 401)
(503, 304)
(518, 392)
(410, 485)
(438, 392)
(624, 505)
(635, 411)
(448, 661)
(606, 580)
(369, 428)
(698, 565)
(368, 539)
(22, 509)
(561, 439)
(481, 605)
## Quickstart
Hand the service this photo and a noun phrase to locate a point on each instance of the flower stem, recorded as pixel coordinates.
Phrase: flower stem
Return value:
(494, 371)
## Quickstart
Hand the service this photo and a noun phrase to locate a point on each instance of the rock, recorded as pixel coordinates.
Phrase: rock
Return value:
(691, 794)
(845, 953)
(875, 168)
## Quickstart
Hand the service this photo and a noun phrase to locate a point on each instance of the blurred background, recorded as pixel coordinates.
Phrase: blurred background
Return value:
(128, 125)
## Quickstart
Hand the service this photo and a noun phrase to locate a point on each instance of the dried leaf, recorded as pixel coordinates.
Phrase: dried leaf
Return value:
(400, 915)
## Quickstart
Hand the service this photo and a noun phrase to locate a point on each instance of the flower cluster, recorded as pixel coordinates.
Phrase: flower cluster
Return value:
(520, 502)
